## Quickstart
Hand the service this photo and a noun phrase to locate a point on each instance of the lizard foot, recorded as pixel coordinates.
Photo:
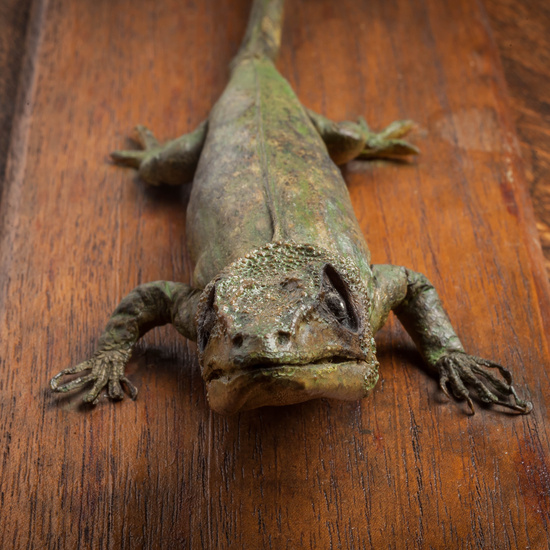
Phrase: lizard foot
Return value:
(107, 369)
(387, 143)
(170, 163)
(459, 370)
(146, 159)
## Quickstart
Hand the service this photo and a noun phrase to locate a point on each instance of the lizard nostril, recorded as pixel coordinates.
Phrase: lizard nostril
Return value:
(238, 340)
(283, 338)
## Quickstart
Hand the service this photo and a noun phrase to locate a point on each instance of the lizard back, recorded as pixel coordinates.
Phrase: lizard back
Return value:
(264, 176)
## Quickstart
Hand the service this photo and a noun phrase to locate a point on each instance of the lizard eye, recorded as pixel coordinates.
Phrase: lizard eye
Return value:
(337, 298)
(207, 321)
(336, 305)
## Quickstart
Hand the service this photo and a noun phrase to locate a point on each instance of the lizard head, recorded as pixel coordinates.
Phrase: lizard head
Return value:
(285, 324)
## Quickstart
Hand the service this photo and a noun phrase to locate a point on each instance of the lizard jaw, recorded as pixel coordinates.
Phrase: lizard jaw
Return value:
(275, 385)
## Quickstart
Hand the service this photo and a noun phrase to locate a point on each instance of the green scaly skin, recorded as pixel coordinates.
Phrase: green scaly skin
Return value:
(284, 302)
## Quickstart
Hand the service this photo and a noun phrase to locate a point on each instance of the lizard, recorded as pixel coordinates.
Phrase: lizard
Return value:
(284, 302)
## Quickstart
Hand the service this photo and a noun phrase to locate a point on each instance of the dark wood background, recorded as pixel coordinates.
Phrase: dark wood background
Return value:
(402, 469)
(522, 33)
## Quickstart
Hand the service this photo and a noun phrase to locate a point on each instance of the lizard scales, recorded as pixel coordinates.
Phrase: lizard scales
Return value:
(284, 302)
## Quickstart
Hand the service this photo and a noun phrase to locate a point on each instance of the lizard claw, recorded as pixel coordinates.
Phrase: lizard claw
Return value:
(459, 370)
(106, 369)
(145, 160)
(397, 129)
(388, 148)
(387, 143)
(129, 158)
(146, 137)
(135, 159)
(170, 163)
(148, 160)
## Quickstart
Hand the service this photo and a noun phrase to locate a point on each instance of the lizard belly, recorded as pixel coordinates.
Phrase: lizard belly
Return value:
(264, 176)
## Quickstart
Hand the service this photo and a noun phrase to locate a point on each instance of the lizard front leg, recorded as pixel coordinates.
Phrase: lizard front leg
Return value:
(348, 140)
(416, 303)
(171, 163)
(147, 306)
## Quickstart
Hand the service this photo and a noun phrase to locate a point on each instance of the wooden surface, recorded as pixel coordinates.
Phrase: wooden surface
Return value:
(401, 469)
(14, 20)
(522, 33)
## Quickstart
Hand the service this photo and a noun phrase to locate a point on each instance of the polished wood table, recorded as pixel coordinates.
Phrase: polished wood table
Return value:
(522, 33)
(402, 469)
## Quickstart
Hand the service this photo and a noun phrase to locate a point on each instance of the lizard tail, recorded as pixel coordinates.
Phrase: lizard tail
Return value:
(263, 34)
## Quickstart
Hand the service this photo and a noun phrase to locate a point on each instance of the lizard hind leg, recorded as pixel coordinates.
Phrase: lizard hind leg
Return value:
(171, 163)
(388, 142)
(146, 138)
(135, 159)
(348, 140)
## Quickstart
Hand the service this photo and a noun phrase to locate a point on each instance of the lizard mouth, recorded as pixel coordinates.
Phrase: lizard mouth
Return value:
(273, 365)
(278, 384)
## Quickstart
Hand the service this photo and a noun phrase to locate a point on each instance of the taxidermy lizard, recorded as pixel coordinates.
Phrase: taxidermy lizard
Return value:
(284, 301)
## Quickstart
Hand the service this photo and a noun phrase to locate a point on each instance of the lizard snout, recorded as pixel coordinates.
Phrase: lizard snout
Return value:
(262, 345)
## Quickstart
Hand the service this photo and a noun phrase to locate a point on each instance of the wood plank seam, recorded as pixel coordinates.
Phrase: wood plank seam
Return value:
(16, 160)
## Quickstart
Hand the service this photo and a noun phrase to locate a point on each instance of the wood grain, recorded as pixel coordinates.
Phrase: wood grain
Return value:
(522, 33)
(14, 22)
(401, 469)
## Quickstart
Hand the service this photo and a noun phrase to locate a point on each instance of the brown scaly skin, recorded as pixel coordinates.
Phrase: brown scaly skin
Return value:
(284, 302)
